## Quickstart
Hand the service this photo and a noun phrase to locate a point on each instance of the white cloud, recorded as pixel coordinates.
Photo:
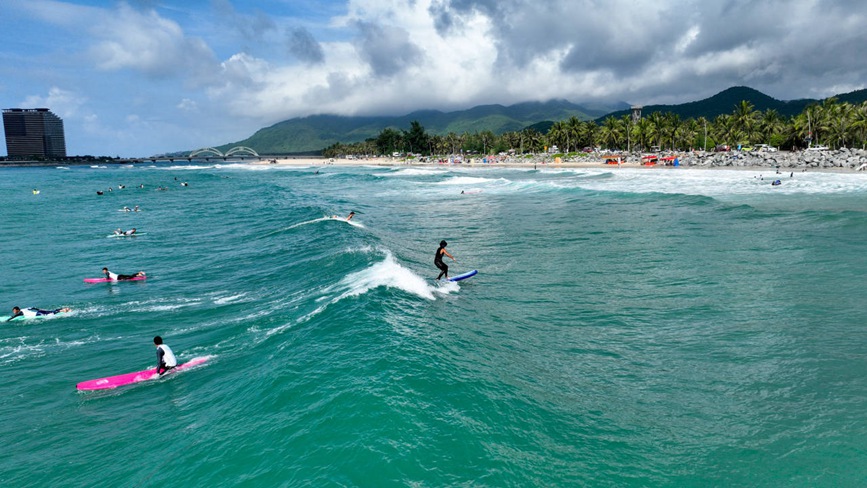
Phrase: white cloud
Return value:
(146, 42)
(64, 103)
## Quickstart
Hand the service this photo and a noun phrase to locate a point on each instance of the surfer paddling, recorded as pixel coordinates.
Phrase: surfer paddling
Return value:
(166, 359)
(120, 277)
(31, 312)
(438, 260)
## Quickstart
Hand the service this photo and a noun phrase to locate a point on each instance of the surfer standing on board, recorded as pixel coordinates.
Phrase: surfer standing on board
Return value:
(30, 312)
(438, 260)
(166, 359)
(120, 277)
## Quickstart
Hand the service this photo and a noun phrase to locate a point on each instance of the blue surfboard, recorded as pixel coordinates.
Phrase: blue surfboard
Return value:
(464, 276)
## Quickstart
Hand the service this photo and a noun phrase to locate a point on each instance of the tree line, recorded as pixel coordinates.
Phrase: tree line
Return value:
(829, 123)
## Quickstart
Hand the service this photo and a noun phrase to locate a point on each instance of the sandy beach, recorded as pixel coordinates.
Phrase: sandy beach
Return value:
(785, 162)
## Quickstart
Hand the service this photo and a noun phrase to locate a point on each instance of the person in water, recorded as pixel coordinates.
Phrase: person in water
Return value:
(166, 359)
(120, 277)
(118, 232)
(30, 312)
(438, 260)
(129, 232)
(348, 218)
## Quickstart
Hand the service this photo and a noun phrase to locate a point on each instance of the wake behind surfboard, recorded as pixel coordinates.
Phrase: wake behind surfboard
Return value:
(130, 378)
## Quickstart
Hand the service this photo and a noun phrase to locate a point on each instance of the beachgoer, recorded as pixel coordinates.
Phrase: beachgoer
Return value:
(165, 357)
(30, 312)
(120, 277)
(438, 260)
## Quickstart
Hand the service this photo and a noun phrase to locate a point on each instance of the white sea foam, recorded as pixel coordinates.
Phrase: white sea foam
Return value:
(415, 172)
(470, 180)
(720, 183)
(229, 299)
(388, 273)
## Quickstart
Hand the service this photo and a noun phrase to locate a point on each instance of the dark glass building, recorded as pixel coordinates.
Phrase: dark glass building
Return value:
(33, 133)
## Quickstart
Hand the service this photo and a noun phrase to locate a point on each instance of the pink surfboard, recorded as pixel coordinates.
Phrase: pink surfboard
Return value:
(130, 378)
(106, 280)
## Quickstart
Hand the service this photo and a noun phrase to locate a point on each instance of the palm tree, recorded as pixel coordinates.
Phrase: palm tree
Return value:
(745, 121)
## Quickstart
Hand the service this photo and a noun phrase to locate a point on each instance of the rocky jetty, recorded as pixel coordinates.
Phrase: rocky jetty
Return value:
(845, 158)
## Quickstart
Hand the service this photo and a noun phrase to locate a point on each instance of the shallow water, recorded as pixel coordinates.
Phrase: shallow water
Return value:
(627, 327)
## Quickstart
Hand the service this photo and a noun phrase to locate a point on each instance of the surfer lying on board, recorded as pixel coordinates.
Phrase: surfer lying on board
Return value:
(120, 277)
(438, 260)
(129, 232)
(30, 312)
(165, 357)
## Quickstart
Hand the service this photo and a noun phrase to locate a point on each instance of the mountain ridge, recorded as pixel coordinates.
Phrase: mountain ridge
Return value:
(313, 133)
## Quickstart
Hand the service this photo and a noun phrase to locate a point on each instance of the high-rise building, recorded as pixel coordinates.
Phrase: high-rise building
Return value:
(33, 133)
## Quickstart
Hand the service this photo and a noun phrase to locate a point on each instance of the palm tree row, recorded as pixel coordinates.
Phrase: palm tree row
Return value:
(830, 123)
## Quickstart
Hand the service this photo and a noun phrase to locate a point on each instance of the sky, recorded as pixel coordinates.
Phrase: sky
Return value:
(146, 77)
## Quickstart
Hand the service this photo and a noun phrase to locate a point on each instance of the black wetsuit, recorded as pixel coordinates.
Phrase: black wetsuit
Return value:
(438, 262)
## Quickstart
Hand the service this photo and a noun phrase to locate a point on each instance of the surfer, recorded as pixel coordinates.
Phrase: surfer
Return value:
(129, 232)
(126, 209)
(120, 277)
(30, 312)
(438, 260)
(118, 232)
(165, 357)
(135, 209)
(349, 217)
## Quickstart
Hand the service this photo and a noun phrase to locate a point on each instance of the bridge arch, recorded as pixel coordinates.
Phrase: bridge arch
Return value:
(241, 150)
(206, 150)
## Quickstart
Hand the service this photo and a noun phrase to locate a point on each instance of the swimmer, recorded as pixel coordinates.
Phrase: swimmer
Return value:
(98, 192)
(30, 312)
(35, 191)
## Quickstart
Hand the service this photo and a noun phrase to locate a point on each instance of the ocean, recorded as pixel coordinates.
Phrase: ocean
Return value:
(627, 327)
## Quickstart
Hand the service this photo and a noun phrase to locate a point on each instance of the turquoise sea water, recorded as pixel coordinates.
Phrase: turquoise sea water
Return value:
(626, 328)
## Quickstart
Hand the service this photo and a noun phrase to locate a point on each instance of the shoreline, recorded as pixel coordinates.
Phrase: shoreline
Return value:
(543, 163)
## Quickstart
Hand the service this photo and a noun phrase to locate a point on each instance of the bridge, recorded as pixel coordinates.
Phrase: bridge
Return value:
(235, 151)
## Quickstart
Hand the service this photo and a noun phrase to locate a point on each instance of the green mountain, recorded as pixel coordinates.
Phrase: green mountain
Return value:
(724, 103)
(316, 132)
